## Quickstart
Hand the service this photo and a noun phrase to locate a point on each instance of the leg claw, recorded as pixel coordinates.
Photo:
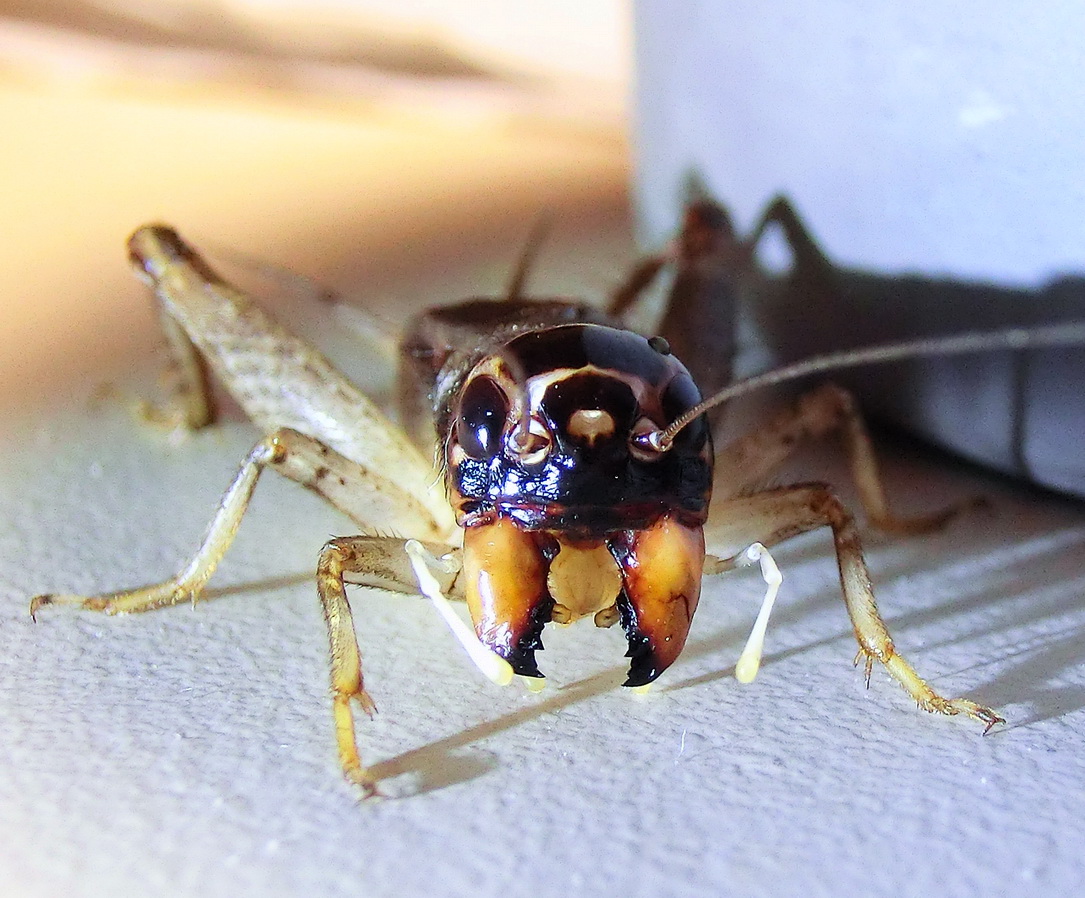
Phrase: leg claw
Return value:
(365, 784)
(366, 703)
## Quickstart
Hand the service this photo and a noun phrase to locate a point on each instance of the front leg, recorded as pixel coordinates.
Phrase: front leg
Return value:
(402, 566)
(776, 515)
(373, 561)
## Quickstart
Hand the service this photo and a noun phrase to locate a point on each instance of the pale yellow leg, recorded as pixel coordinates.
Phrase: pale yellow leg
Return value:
(378, 561)
(346, 661)
(369, 560)
(776, 515)
(187, 584)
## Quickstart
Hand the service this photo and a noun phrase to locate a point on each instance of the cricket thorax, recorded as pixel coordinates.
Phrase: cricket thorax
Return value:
(565, 514)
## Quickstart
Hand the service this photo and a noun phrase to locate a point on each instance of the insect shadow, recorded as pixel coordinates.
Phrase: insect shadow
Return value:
(442, 763)
(267, 584)
(1018, 412)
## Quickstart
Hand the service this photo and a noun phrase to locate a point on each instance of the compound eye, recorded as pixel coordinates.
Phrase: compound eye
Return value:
(483, 410)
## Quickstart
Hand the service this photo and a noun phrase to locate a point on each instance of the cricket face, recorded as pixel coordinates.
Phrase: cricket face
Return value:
(565, 513)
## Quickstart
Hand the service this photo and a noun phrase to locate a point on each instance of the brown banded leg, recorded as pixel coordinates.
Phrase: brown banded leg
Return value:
(698, 320)
(776, 515)
(369, 499)
(825, 412)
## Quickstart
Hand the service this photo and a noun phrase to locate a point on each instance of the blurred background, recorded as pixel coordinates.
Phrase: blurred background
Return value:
(398, 152)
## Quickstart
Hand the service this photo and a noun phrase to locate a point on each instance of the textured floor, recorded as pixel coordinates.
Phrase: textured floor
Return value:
(189, 751)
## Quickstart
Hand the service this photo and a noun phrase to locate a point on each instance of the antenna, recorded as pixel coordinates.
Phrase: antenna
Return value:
(1071, 333)
(540, 230)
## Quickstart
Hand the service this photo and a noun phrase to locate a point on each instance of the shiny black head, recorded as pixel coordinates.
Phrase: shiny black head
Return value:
(543, 432)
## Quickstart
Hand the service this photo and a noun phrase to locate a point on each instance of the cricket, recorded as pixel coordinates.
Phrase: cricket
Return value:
(549, 464)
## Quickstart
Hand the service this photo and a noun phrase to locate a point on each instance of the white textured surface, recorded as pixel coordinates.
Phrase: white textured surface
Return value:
(190, 752)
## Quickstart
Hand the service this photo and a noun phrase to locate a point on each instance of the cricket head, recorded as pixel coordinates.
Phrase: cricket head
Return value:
(567, 510)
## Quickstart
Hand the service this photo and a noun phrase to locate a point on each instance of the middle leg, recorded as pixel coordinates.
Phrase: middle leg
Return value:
(826, 411)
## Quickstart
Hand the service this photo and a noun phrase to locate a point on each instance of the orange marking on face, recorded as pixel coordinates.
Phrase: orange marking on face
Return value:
(662, 575)
(591, 424)
(504, 582)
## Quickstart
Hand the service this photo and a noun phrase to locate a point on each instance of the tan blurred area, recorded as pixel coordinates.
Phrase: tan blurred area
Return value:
(381, 149)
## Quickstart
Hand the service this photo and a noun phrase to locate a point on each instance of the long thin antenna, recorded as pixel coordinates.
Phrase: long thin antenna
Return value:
(535, 238)
(1070, 333)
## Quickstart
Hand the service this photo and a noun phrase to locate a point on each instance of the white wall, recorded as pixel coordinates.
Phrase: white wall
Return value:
(933, 136)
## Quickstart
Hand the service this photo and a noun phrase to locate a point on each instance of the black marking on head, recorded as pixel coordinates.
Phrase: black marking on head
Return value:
(590, 390)
(483, 408)
(580, 345)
